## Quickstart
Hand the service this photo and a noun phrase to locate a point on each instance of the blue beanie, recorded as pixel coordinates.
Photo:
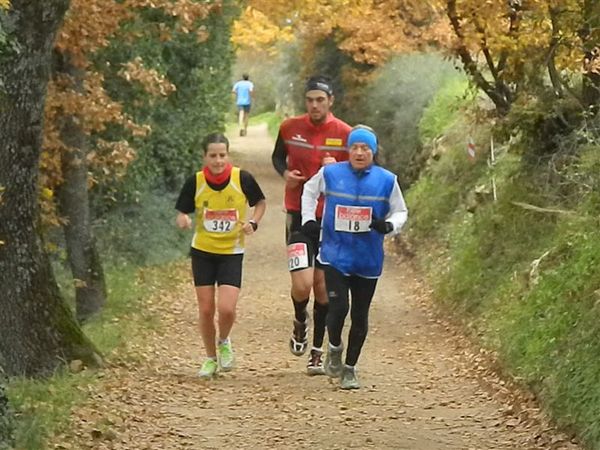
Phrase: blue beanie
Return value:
(363, 136)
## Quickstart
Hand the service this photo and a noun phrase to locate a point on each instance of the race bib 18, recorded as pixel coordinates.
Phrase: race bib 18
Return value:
(220, 221)
(352, 219)
(297, 256)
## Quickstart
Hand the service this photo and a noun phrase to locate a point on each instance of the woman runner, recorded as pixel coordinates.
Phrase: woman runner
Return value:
(219, 195)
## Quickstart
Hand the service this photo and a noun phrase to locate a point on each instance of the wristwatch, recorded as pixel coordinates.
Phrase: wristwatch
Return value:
(254, 224)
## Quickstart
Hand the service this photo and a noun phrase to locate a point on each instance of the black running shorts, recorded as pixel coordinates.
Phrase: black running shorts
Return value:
(210, 268)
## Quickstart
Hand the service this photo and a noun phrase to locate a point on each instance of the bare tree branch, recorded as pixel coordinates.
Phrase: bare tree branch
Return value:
(470, 65)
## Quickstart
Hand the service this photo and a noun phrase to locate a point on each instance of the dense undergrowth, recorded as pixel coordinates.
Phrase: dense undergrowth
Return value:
(513, 248)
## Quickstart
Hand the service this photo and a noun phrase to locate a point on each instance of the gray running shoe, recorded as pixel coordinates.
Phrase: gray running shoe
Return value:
(333, 363)
(315, 363)
(349, 378)
(299, 341)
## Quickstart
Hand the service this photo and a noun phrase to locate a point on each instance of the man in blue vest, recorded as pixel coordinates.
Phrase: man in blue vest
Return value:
(243, 91)
(363, 203)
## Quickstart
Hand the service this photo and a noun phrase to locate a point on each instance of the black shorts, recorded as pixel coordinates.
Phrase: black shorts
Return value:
(210, 268)
(293, 235)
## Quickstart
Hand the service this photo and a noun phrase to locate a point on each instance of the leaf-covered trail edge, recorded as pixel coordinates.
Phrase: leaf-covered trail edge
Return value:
(425, 387)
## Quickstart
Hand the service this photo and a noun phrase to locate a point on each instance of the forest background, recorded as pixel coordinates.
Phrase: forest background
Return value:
(487, 114)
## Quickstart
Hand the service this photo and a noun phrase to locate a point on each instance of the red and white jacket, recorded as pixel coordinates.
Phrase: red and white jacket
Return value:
(302, 145)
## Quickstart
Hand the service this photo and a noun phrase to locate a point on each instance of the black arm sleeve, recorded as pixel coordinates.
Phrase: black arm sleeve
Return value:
(250, 188)
(185, 202)
(279, 156)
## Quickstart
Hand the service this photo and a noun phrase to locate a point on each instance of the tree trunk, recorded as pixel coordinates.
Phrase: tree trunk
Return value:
(83, 256)
(590, 35)
(37, 330)
(6, 420)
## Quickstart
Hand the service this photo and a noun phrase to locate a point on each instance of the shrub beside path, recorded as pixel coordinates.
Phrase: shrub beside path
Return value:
(424, 386)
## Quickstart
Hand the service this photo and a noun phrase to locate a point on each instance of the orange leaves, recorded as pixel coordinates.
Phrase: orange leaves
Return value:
(112, 158)
(88, 26)
(524, 32)
(368, 30)
(152, 82)
(187, 12)
(93, 108)
(256, 31)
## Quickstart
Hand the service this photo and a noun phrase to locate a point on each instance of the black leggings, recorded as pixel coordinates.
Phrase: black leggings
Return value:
(362, 290)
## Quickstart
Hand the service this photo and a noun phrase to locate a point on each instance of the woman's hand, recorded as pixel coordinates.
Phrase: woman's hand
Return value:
(250, 227)
(183, 221)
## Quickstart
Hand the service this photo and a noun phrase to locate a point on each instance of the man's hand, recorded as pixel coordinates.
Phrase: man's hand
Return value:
(293, 178)
(328, 159)
(381, 226)
(183, 221)
(311, 229)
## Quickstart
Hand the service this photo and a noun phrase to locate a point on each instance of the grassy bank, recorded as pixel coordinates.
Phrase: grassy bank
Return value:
(138, 243)
(521, 270)
(272, 119)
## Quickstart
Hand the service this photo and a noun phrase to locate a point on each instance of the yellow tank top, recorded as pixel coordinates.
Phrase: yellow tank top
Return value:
(219, 216)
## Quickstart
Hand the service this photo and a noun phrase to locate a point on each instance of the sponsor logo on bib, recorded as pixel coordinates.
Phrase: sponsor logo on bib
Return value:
(352, 219)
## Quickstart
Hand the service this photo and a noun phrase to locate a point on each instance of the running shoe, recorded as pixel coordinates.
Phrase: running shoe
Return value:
(298, 341)
(315, 363)
(226, 358)
(333, 362)
(349, 378)
(208, 369)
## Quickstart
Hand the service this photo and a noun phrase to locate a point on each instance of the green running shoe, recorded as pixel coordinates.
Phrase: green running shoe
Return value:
(349, 378)
(208, 369)
(226, 358)
(333, 362)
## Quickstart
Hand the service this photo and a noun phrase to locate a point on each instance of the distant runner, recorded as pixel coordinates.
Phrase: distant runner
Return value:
(243, 91)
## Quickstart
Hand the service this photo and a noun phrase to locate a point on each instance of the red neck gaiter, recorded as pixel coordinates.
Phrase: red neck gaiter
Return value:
(220, 178)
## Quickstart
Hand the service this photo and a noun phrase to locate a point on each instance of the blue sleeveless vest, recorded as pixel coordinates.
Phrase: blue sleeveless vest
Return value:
(355, 253)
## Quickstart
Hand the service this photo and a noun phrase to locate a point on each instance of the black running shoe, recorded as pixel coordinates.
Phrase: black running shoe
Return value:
(298, 341)
(315, 363)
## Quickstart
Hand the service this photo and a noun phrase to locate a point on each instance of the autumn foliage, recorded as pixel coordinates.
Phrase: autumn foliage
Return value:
(80, 92)
(369, 31)
(508, 48)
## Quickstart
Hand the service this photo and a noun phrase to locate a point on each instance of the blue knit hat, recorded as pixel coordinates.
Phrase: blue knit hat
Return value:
(363, 136)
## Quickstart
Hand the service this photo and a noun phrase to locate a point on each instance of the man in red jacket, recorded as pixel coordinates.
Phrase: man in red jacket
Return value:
(304, 144)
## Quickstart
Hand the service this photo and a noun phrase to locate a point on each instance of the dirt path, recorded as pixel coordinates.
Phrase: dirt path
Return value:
(423, 388)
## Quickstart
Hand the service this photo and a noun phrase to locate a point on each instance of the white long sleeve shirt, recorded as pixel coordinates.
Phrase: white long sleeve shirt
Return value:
(314, 187)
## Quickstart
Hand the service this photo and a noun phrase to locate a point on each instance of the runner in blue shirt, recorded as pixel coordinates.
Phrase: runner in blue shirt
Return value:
(363, 202)
(243, 91)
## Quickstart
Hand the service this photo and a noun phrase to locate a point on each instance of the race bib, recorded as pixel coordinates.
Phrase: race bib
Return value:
(297, 256)
(352, 219)
(220, 221)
